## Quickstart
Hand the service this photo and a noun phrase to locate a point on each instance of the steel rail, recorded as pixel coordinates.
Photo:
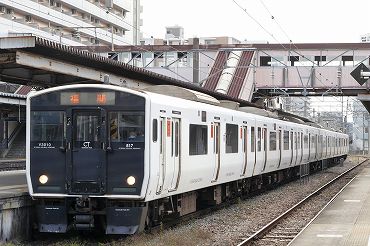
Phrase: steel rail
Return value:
(264, 230)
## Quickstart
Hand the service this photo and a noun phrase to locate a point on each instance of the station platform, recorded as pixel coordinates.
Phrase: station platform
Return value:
(13, 184)
(345, 221)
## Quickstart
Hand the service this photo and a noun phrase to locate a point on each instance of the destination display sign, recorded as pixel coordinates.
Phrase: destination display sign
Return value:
(87, 98)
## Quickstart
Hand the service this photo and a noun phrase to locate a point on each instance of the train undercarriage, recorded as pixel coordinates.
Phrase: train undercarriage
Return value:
(129, 217)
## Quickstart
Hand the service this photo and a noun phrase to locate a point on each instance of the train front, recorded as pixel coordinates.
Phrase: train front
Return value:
(86, 158)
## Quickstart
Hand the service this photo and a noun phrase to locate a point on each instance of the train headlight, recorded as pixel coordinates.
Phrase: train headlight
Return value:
(131, 180)
(43, 179)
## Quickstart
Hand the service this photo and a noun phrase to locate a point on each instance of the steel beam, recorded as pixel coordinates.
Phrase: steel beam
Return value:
(54, 66)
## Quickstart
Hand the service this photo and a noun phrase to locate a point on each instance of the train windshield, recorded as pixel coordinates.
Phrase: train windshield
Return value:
(47, 126)
(127, 126)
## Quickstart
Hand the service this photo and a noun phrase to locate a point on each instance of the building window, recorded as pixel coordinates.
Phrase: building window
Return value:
(319, 60)
(265, 61)
(231, 138)
(347, 60)
(293, 59)
(272, 141)
(198, 139)
(286, 140)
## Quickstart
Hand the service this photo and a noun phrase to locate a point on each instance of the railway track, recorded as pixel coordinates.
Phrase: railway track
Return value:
(8, 165)
(275, 232)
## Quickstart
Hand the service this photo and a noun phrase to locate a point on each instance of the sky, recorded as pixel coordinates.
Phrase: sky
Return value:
(309, 21)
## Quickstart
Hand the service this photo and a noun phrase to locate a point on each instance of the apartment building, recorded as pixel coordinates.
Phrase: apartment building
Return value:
(73, 22)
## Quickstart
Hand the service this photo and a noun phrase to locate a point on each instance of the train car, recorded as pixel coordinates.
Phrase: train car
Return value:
(121, 160)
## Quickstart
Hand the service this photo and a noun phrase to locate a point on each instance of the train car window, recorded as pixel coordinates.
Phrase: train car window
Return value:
(231, 138)
(87, 126)
(204, 116)
(298, 141)
(305, 141)
(155, 130)
(177, 142)
(162, 139)
(47, 126)
(286, 140)
(253, 139)
(272, 141)
(172, 138)
(127, 126)
(198, 139)
(259, 139)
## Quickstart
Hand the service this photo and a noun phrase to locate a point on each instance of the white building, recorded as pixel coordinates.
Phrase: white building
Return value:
(365, 38)
(73, 22)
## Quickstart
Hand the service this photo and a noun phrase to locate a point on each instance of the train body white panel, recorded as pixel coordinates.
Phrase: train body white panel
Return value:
(296, 144)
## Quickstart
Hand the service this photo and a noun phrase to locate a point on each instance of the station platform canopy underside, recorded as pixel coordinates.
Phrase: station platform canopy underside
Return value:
(41, 63)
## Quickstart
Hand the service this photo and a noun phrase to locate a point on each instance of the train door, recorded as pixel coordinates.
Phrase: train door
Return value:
(162, 154)
(86, 146)
(245, 149)
(175, 160)
(216, 150)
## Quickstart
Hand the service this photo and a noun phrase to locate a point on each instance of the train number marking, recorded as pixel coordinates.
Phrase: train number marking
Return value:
(44, 145)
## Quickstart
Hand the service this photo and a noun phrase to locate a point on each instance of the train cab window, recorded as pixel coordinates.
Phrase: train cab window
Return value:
(259, 139)
(47, 126)
(86, 129)
(253, 139)
(127, 126)
(155, 130)
(272, 141)
(231, 138)
(198, 138)
(286, 140)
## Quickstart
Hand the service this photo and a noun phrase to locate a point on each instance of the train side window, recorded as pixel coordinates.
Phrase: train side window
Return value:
(155, 130)
(286, 140)
(177, 139)
(253, 139)
(232, 138)
(305, 141)
(172, 137)
(198, 138)
(272, 141)
(259, 139)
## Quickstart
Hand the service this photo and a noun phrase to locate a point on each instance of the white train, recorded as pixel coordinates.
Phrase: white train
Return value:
(112, 157)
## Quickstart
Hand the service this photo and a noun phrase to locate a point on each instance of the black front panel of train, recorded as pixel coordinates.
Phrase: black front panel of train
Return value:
(87, 149)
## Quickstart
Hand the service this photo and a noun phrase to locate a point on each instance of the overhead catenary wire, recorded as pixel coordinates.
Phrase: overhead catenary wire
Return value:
(273, 36)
